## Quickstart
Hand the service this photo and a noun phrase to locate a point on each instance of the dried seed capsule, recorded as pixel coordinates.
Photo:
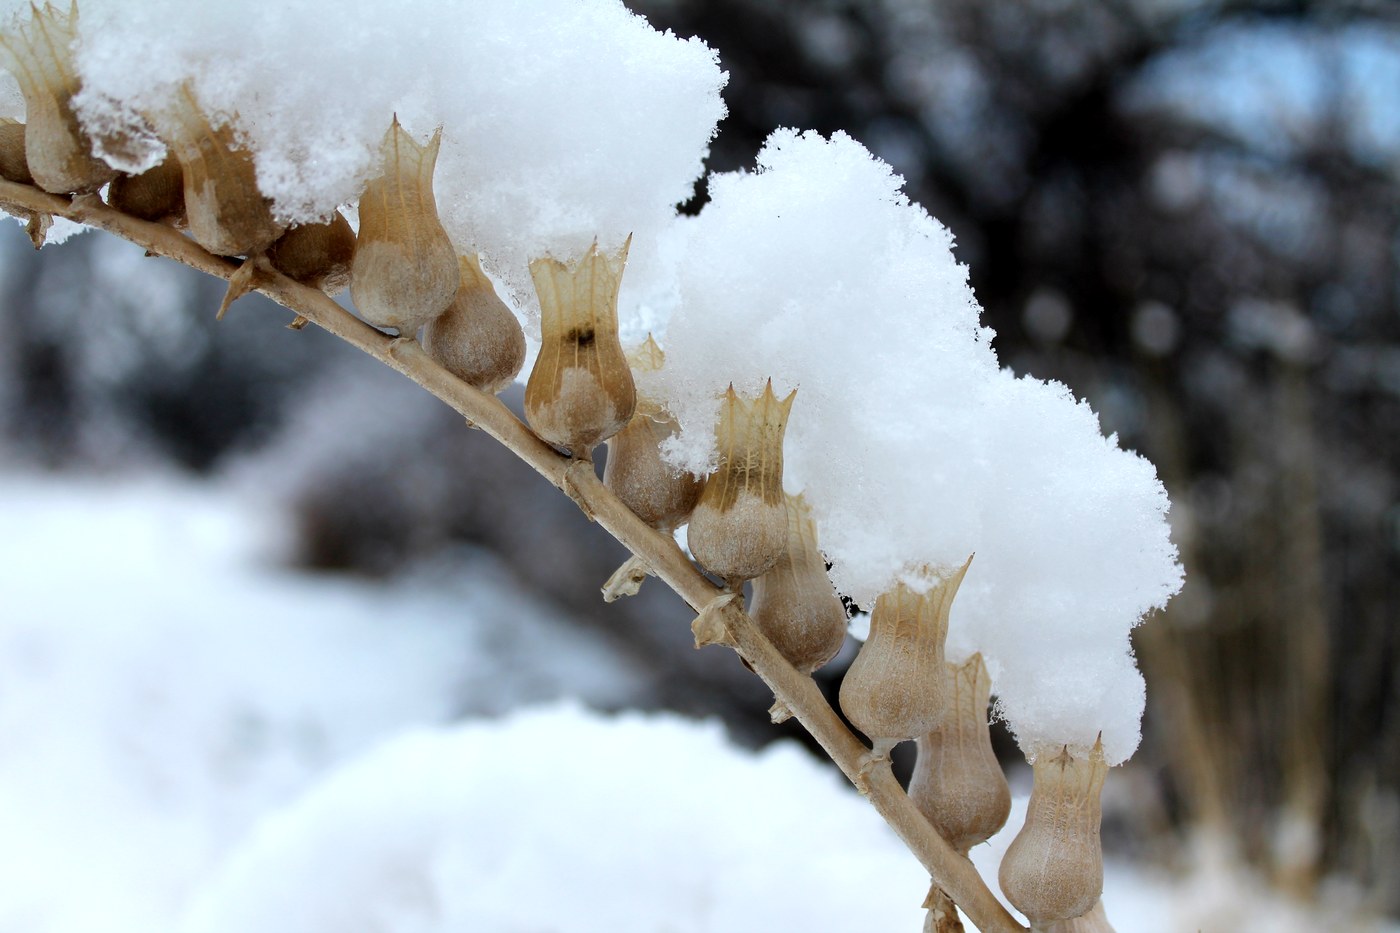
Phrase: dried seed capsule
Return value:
(38, 51)
(1095, 921)
(1053, 869)
(895, 689)
(157, 194)
(13, 164)
(318, 255)
(580, 392)
(226, 212)
(739, 528)
(958, 783)
(794, 603)
(660, 495)
(405, 269)
(477, 338)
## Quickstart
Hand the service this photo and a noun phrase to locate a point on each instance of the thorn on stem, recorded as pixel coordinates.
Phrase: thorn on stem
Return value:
(298, 323)
(779, 712)
(245, 279)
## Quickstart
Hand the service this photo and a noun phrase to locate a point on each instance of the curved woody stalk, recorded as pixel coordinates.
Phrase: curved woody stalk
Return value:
(720, 619)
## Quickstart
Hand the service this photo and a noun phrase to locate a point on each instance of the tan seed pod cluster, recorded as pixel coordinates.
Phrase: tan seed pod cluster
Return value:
(794, 603)
(14, 166)
(894, 690)
(38, 51)
(405, 269)
(660, 495)
(958, 783)
(1053, 870)
(157, 194)
(318, 255)
(477, 338)
(224, 209)
(739, 527)
(580, 392)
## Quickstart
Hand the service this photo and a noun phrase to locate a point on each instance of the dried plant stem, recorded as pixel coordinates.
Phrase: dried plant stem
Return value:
(725, 622)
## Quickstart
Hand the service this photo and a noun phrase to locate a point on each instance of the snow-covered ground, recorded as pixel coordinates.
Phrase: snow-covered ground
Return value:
(195, 739)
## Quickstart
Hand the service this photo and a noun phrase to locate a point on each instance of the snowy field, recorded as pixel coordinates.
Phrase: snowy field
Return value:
(196, 739)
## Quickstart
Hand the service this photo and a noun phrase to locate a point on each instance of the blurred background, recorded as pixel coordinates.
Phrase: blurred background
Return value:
(1188, 211)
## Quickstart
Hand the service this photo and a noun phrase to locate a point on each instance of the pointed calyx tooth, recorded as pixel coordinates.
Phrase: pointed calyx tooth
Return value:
(157, 194)
(657, 492)
(739, 528)
(317, 254)
(226, 212)
(580, 392)
(405, 269)
(958, 783)
(895, 689)
(794, 603)
(38, 51)
(14, 166)
(1053, 870)
(477, 338)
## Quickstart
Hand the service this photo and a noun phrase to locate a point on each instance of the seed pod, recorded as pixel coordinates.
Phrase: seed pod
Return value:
(1095, 921)
(896, 688)
(157, 194)
(405, 269)
(1053, 869)
(794, 604)
(318, 255)
(659, 494)
(958, 783)
(226, 212)
(38, 51)
(739, 528)
(477, 338)
(13, 164)
(580, 392)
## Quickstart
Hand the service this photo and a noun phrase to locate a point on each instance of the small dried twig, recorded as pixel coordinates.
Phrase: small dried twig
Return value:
(796, 692)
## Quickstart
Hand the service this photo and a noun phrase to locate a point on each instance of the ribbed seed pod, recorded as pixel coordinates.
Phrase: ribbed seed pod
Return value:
(13, 164)
(739, 528)
(318, 255)
(958, 783)
(1053, 870)
(1095, 921)
(660, 495)
(580, 392)
(157, 194)
(895, 689)
(794, 604)
(477, 338)
(38, 51)
(226, 212)
(405, 269)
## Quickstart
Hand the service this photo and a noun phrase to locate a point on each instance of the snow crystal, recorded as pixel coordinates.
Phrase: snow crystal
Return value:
(912, 445)
(562, 120)
(561, 819)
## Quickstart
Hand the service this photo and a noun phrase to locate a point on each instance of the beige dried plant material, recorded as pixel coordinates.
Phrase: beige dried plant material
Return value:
(477, 338)
(38, 51)
(157, 194)
(894, 690)
(794, 603)
(224, 209)
(739, 528)
(1053, 869)
(958, 783)
(405, 271)
(580, 391)
(318, 254)
(660, 495)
